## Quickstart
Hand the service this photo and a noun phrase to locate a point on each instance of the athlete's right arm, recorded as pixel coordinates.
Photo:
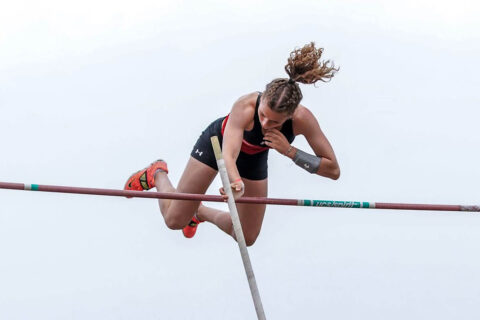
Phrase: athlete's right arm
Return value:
(240, 117)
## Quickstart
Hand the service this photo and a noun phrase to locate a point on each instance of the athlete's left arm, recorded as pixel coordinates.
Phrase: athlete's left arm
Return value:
(307, 125)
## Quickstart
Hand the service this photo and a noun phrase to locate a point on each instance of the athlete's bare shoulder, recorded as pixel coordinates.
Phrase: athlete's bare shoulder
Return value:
(303, 119)
(244, 108)
(302, 114)
(247, 101)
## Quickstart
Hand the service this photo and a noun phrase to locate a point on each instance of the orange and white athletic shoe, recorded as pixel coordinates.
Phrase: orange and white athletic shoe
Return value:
(145, 178)
(191, 228)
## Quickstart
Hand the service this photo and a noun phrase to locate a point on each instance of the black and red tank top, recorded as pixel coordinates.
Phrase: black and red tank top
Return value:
(252, 142)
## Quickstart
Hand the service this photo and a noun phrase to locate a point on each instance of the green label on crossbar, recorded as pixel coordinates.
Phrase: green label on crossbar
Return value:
(31, 187)
(337, 204)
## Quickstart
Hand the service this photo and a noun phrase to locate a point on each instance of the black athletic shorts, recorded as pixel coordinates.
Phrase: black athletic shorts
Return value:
(253, 167)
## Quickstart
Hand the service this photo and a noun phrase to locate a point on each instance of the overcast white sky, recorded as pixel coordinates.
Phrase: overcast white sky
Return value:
(91, 91)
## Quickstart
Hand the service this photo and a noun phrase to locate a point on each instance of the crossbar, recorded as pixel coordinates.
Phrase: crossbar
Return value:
(258, 200)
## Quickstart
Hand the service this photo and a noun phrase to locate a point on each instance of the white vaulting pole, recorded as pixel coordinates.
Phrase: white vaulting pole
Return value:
(237, 227)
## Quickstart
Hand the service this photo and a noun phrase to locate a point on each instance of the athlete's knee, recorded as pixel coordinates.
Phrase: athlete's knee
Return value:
(174, 222)
(250, 239)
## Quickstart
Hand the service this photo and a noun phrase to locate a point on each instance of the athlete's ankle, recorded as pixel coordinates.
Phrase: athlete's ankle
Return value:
(158, 174)
(199, 212)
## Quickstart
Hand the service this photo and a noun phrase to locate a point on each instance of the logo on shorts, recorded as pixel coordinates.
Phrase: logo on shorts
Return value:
(306, 165)
(199, 152)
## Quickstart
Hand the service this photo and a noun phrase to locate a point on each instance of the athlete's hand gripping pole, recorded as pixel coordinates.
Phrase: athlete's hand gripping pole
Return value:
(237, 227)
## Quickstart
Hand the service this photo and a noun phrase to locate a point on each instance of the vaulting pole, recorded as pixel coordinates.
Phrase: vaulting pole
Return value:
(262, 200)
(237, 227)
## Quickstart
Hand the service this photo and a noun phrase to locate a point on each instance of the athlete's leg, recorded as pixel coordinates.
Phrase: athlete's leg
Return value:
(196, 178)
(251, 215)
(218, 217)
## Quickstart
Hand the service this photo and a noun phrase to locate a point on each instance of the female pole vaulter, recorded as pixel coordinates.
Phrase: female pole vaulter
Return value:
(258, 121)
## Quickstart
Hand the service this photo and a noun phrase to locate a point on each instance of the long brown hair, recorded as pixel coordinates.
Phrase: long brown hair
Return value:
(284, 95)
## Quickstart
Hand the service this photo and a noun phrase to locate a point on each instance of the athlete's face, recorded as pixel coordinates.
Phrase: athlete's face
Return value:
(270, 119)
